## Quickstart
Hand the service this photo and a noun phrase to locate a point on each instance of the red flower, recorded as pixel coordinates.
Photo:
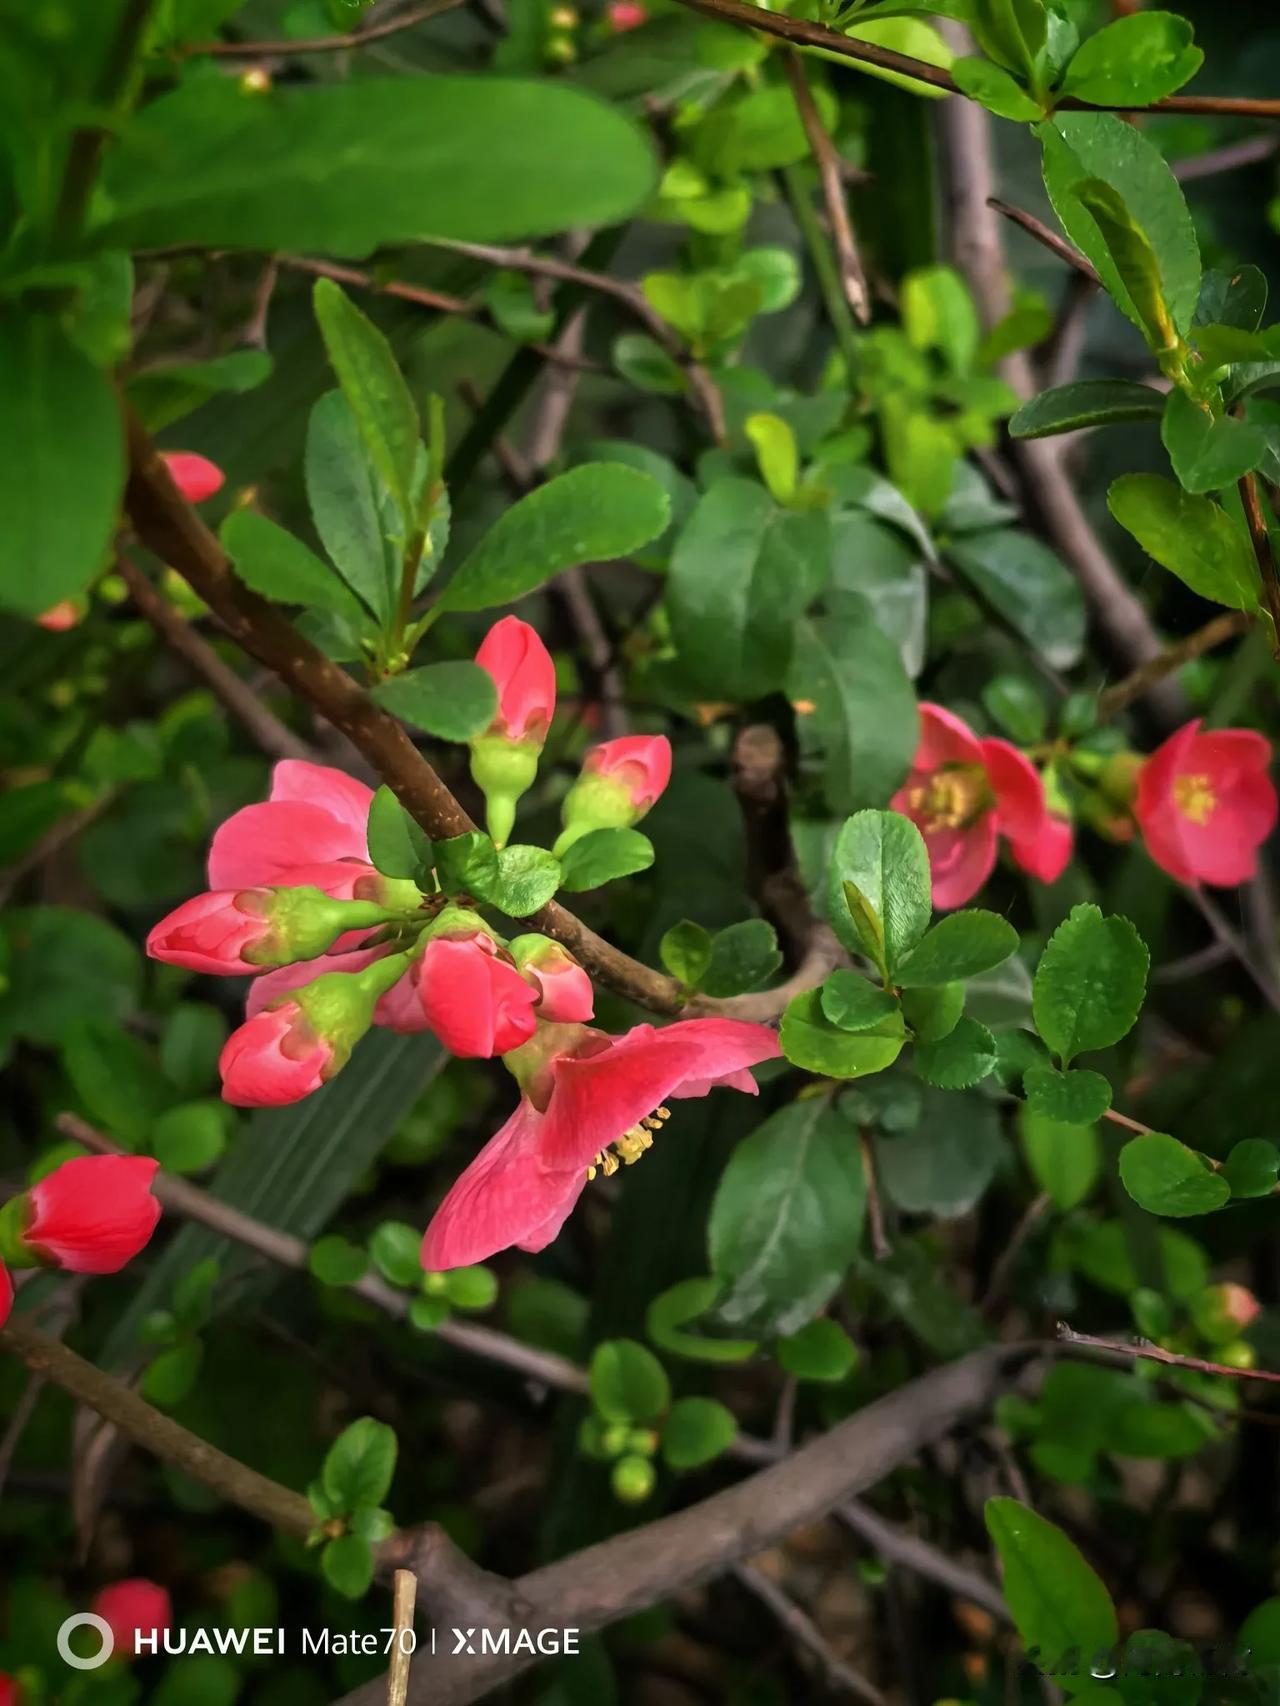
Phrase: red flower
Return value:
(93, 1214)
(640, 763)
(475, 1002)
(525, 677)
(626, 15)
(6, 1309)
(10, 1693)
(962, 794)
(57, 619)
(1205, 804)
(586, 1095)
(312, 830)
(274, 1058)
(134, 1608)
(195, 476)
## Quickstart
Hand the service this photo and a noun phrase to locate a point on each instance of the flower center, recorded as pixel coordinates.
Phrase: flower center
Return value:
(1194, 798)
(950, 799)
(630, 1146)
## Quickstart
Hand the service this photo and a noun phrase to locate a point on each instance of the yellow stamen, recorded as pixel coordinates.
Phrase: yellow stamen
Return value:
(1194, 798)
(951, 798)
(627, 1149)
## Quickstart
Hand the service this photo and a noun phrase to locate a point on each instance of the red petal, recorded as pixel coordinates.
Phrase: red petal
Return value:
(93, 1214)
(267, 843)
(332, 790)
(1015, 781)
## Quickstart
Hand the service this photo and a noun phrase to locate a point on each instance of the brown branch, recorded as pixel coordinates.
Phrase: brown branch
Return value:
(1049, 238)
(156, 1432)
(596, 1587)
(921, 1557)
(1263, 551)
(404, 1598)
(322, 44)
(836, 1674)
(1143, 1350)
(801, 33)
(1253, 152)
(1214, 633)
(170, 528)
(880, 1246)
(236, 694)
(831, 176)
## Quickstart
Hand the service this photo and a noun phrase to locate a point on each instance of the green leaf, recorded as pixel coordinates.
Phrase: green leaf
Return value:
(685, 950)
(1236, 298)
(1012, 32)
(811, 1041)
(1086, 403)
(938, 313)
(996, 89)
(360, 1464)
(471, 1288)
(934, 1013)
(1090, 983)
(343, 167)
(964, 1057)
(743, 957)
(396, 1251)
(1252, 1167)
(190, 1137)
(1056, 1600)
(452, 701)
(1029, 586)
(345, 503)
(1165, 1177)
(62, 471)
(1134, 61)
(173, 1374)
(428, 1313)
(881, 855)
(1064, 1159)
(673, 1309)
(398, 847)
(852, 1003)
(526, 879)
(347, 1565)
(190, 1044)
(603, 855)
(945, 1160)
(466, 863)
(696, 1431)
(643, 361)
(742, 572)
(776, 455)
(337, 1261)
(166, 393)
(1101, 146)
(375, 388)
(277, 565)
(962, 945)
(1193, 537)
(912, 37)
(1072, 1098)
(786, 1220)
(594, 513)
(1207, 452)
(116, 1077)
(822, 1350)
(859, 711)
(628, 1383)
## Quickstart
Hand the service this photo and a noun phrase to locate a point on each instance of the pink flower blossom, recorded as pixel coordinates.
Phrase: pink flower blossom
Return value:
(312, 830)
(133, 1608)
(962, 794)
(525, 678)
(1205, 804)
(210, 932)
(195, 476)
(94, 1213)
(476, 1002)
(274, 1058)
(585, 1096)
(565, 995)
(61, 616)
(626, 15)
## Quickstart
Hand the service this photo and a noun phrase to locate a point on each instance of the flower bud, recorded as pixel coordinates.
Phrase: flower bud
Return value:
(61, 616)
(236, 931)
(195, 476)
(475, 1000)
(565, 992)
(134, 1608)
(625, 15)
(1222, 1312)
(504, 760)
(91, 1215)
(620, 780)
(633, 1479)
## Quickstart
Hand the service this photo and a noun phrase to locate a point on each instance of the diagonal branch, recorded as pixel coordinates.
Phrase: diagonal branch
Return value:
(323, 44)
(831, 176)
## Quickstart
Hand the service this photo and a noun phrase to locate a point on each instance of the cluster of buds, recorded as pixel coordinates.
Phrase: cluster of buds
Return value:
(91, 1215)
(334, 946)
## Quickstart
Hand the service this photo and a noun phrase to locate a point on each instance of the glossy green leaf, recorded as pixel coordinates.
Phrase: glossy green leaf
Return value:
(670, 1313)
(685, 950)
(190, 1137)
(697, 1431)
(1252, 1167)
(1087, 403)
(1090, 982)
(628, 1383)
(776, 455)
(1193, 537)
(996, 89)
(810, 1040)
(852, 1003)
(961, 945)
(396, 1251)
(1207, 451)
(1056, 1599)
(398, 846)
(277, 565)
(375, 389)
(1165, 1177)
(1134, 61)
(337, 1261)
(821, 1350)
(963, 1057)
(1134, 257)
(882, 856)
(743, 957)
(945, 1160)
(452, 701)
(347, 1565)
(933, 1013)
(346, 505)
(1029, 586)
(1012, 32)
(1071, 1098)
(602, 855)
(526, 879)
(1236, 298)
(360, 1464)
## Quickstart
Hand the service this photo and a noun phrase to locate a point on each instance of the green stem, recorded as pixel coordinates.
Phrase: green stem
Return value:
(824, 266)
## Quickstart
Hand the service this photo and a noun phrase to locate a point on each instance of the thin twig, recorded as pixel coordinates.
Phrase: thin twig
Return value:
(838, 1676)
(1035, 1211)
(57, 836)
(1262, 550)
(322, 44)
(880, 1246)
(923, 1558)
(403, 1599)
(827, 158)
(235, 693)
(1049, 238)
(1144, 1351)
(1117, 1118)
(1254, 152)
(1216, 632)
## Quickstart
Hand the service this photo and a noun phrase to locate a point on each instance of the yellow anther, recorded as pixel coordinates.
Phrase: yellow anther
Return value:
(1194, 798)
(628, 1148)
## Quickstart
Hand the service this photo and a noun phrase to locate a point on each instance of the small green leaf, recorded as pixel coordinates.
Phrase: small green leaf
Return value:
(1165, 1177)
(526, 879)
(643, 361)
(173, 1374)
(685, 950)
(428, 1313)
(1090, 983)
(1017, 705)
(933, 1013)
(277, 565)
(1012, 32)
(347, 1565)
(1207, 452)
(996, 89)
(396, 1250)
(811, 1041)
(346, 504)
(964, 1057)
(852, 1003)
(594, 513)
(374, 387)
(1072, 1098)
(359, 1465)
(1057, 1601)
(603, 855)
(696, 1431)
(671, 1311)
(452, 701)
(1064, 1159)
(466, 864)
(743, 957)
(1252, 1167)
(959, 946)
(398, 846)
(471, 1288)
(1028, 585)
(190, 1137)
(628, 1383)
(1134, 61)
(337, 1261)
(1087, 403)
(882, 855)
(821, 1350)
(1193, 537)
(776, 455)
(1235, 298)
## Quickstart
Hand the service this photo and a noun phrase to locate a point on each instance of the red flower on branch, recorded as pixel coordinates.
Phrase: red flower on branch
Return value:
(1205, 804)
(93, 1214)
(589, 1102)
(475, 1000)
(195, 476)
(132, 1608)
(525, 677)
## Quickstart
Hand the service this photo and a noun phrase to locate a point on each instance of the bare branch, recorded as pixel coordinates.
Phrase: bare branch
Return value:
(1144, 1351)
(1214, 633)
(831, 176)
(323, 44)
(839, 1677)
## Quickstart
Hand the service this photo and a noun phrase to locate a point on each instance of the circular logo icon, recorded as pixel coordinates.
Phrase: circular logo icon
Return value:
(85, 1620)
